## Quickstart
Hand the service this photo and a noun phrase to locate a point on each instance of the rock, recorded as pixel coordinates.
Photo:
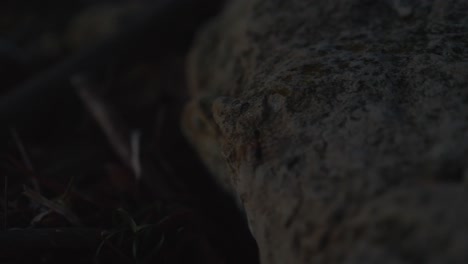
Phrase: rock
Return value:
(340, 126)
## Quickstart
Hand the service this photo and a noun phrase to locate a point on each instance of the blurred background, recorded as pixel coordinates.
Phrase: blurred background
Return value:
(90, 100)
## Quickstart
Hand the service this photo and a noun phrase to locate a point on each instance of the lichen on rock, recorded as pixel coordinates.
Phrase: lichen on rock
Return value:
(340, 126)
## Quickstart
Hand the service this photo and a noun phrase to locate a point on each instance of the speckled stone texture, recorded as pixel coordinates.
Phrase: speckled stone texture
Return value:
(341, 126)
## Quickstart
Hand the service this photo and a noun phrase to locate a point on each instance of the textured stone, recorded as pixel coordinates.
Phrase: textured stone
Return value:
(341, 126)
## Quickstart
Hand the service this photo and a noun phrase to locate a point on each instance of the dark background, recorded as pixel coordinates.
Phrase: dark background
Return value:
(131, 56)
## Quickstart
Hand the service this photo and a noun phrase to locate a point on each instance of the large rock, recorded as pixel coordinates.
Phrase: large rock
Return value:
(341, 126)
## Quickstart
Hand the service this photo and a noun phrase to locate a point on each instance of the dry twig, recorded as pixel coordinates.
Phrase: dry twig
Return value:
(52, 205)
(116, 133)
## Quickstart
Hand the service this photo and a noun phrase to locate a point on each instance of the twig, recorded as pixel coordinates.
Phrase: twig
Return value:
(25, 158)
(127, 150)
(124, 144)
(5, 211)
(135, 153)
(105, 119)
(54, 206)
(22, 149)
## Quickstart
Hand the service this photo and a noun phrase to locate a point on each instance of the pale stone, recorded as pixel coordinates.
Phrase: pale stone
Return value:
(340, 126)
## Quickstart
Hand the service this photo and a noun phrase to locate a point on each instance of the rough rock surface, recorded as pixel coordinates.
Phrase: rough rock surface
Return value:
(340, 125)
